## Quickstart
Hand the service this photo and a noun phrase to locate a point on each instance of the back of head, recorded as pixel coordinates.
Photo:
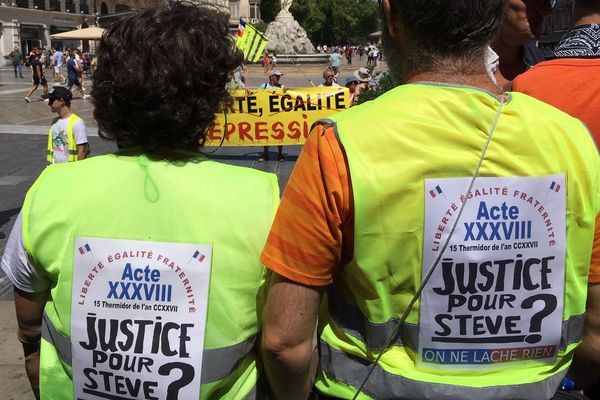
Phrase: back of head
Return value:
(161, 76)
(434, 31)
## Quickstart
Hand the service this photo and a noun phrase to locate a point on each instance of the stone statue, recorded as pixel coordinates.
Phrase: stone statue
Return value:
(285, 5)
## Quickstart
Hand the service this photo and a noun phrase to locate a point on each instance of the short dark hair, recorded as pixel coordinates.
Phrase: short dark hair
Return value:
(445, 29)
(161, 76)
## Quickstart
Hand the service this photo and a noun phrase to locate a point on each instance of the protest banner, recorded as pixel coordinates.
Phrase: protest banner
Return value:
(275, 116)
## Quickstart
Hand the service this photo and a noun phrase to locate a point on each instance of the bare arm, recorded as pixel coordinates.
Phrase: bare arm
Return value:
(289, 321)
(585, 370)
(81, 151)
(29, 308)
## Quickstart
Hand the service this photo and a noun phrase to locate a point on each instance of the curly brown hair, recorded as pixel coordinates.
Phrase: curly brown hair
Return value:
(161, 76)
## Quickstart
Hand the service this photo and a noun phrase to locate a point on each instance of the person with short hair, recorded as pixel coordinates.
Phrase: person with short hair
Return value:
(142, 266)
(570, 78)
(335, 61)
(73, 72)
(58, 65)
(16, 58)
(514, 50)
(403, 211)
(328, 79)
(37, 76)
(67, 138)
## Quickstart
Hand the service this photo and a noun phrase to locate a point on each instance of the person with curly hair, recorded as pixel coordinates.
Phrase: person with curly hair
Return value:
(143, 264)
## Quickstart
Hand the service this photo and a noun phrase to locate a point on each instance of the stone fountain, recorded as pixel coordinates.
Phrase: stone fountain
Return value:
(286, 36)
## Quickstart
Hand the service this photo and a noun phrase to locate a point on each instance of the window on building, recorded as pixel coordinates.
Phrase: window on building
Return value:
(22, 3)
(255, 10)
(54, 5)
(103, 9)
(234, 8)
(70, 6)
(39, 4)
(83, 7)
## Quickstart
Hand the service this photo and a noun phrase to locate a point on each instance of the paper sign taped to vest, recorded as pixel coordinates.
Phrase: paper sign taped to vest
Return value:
(138, 317)
(275, 116)
(496, 295)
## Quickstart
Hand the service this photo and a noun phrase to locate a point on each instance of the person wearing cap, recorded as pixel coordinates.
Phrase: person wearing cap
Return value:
(273, 83)
(389, 213)
(514, 50)
(365, 81)
(328, 78)
(351, 83)
(136, 274)
(67, 138)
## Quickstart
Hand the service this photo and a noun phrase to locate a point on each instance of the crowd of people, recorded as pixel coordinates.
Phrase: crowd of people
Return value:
(442, 240)
(72, 62)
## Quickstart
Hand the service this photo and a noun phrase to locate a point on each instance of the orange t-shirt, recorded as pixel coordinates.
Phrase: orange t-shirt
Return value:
(313, 232)
(569, 84)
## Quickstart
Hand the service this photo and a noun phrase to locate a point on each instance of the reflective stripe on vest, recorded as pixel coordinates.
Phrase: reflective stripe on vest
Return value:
(70, 139)
(349, 319)
(352, 370)
(217, 364)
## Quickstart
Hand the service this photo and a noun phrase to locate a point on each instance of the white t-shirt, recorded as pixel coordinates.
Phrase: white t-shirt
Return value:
(60, 143)
(16, 265)
(333, 84)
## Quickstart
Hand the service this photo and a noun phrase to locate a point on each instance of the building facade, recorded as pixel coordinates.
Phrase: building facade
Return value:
(29, 23)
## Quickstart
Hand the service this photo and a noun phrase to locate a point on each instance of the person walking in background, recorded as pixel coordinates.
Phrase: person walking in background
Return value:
(37, 76)
(158, 203)
(273, 83)
(67, 138)
(58, 65)
(16, 58)
(73, 75)
(388, 209)
(335, 62)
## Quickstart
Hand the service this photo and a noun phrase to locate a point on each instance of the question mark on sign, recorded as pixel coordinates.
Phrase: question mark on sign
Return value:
(550, 303)
(187, 375)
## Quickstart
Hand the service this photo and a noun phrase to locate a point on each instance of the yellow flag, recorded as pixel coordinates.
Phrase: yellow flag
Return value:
(251, 42)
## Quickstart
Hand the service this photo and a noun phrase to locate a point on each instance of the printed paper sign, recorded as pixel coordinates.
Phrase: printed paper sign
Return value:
(497, 293)
(138, 316)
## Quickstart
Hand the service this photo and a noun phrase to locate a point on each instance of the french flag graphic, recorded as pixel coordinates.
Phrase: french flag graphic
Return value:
(198, 256)
(241, 28)
(436, 191)
(555, 186)
(84, 249)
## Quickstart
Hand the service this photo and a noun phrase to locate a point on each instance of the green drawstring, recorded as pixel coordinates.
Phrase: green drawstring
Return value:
(150, 188)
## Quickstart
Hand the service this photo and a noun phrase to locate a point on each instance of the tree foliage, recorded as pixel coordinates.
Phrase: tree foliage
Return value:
(336, 21)
(269, 9)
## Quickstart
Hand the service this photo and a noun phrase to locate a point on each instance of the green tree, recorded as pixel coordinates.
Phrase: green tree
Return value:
(269, 9)
(336, 21)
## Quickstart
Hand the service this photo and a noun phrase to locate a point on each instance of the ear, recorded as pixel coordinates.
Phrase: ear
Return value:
(392, 26)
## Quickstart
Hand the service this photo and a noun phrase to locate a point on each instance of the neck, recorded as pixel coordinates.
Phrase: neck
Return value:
(64, 112)
(510, 60)
(468, 75)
